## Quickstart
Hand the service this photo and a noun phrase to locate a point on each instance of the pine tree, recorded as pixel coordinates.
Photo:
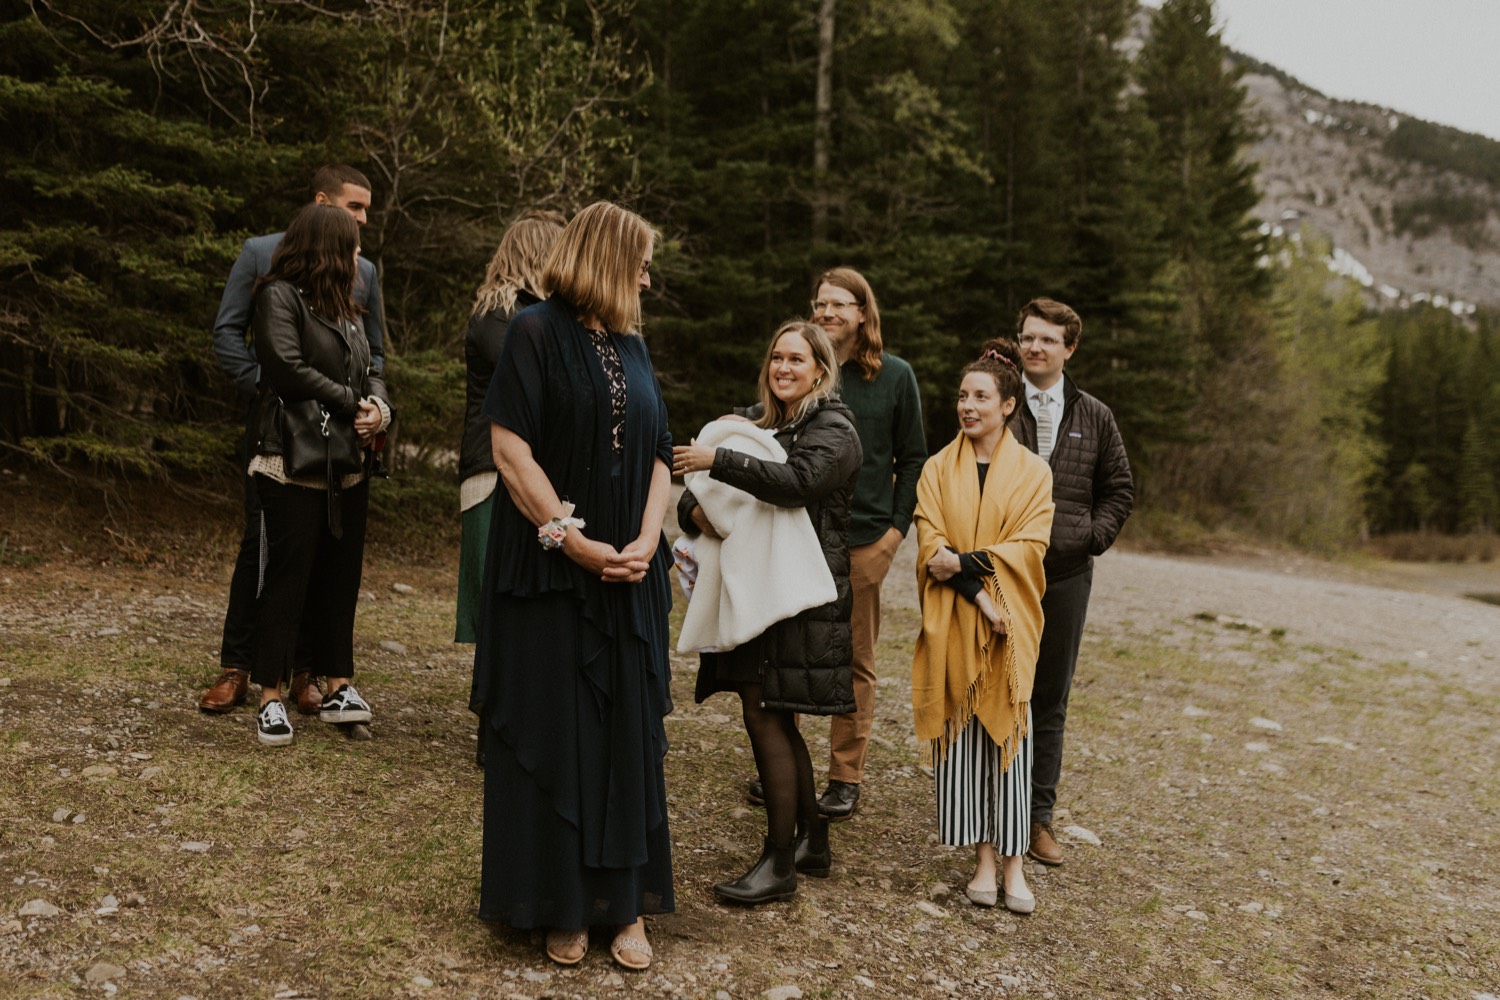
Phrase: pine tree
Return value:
(1432, 389)
(1322, 451)
(108, 269)
(1203, 181)
(1194, 100)
(1478, 498)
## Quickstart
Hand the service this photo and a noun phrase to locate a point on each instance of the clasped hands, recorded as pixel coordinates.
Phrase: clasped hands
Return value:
(367, 422)
(611, 565)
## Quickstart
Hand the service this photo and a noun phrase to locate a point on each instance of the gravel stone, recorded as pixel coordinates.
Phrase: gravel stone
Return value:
(103, 972)
(1083, 834)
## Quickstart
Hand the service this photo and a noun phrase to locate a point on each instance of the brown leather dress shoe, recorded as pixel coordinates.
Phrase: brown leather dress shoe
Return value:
(306, 694)
(227, 692)
(1044, 846)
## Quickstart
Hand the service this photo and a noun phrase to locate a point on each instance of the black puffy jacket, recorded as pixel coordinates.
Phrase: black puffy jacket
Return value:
(1091, 482)
(804, 661)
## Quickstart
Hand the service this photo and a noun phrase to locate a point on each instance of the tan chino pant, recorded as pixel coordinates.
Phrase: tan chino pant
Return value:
(849, 735)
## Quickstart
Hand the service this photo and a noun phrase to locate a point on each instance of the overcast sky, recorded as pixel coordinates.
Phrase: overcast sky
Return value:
(1435, 59)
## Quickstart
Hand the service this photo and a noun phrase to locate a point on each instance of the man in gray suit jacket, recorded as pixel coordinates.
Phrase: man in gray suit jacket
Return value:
(346, 188)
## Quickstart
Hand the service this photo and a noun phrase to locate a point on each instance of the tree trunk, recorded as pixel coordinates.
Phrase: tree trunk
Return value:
(822, 122)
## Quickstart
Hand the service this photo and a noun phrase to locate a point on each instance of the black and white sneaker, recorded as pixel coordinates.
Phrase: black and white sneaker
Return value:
(272, 726)
(344, 705)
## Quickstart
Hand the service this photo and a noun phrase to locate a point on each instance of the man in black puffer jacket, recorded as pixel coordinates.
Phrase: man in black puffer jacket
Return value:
(1093, 490)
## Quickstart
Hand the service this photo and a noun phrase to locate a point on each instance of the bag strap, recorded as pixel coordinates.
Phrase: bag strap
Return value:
(335, 483)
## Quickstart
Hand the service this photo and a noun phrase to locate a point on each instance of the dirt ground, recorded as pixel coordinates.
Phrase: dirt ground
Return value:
(1279, 783)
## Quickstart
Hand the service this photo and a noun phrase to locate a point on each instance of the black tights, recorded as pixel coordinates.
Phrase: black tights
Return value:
(785, 767)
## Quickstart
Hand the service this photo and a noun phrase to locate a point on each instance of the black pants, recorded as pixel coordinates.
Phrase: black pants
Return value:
(304, 617)
(237, 649)
(1065, 606)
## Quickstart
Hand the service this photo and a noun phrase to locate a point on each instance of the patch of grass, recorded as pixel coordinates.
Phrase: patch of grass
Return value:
(19, 556)
(1428, 547)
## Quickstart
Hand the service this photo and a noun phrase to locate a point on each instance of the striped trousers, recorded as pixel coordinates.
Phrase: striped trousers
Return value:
(977, 802)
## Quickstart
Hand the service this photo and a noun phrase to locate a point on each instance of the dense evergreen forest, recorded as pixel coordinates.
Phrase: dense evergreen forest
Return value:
(967, 155)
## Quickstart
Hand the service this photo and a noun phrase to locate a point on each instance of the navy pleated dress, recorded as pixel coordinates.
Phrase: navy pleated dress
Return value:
(572, 673)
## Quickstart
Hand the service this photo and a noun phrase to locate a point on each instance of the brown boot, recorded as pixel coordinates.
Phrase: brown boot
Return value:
(306, 694)
(227, 692)
(1044, 846)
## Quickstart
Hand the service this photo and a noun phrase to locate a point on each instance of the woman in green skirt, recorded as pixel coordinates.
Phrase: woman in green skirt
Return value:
(511, 283)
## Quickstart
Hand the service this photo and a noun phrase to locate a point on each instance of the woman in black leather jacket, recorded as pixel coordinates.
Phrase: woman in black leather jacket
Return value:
(799, 664)
(316, 384)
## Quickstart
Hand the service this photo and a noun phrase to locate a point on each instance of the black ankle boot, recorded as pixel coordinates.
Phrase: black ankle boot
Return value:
(769, 880)
(813, 856)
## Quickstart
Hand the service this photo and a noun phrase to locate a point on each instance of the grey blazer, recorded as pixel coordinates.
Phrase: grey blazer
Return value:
(232, 327)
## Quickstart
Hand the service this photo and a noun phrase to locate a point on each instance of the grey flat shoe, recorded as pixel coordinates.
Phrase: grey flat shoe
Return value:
(1018, 904)
(983, 897)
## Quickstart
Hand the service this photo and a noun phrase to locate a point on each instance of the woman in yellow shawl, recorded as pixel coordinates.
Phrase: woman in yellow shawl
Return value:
(984, 514)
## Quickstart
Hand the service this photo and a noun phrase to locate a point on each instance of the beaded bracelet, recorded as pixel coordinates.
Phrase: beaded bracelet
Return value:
(555, 532)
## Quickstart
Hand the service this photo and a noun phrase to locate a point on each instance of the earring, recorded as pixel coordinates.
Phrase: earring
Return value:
(817, 381)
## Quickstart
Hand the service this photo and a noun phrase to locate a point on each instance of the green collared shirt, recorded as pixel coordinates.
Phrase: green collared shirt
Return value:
(888, 416)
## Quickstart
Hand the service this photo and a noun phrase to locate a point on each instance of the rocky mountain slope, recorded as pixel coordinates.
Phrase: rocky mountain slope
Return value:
(1413, 216)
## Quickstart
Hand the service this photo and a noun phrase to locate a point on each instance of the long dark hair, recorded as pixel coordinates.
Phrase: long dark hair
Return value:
(317, 255)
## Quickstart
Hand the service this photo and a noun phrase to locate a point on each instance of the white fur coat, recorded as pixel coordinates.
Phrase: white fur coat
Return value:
(769, 565)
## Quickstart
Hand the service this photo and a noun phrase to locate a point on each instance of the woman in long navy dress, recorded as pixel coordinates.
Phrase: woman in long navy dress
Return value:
(571, 661)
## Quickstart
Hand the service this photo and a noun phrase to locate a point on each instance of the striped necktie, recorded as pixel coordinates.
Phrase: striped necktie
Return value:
(1045, 428)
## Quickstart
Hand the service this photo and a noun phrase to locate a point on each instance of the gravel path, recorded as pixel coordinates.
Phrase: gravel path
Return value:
(1403, 614)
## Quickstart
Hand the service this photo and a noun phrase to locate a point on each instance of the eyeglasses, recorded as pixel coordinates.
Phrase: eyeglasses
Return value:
(1048, 343)
(830, 305)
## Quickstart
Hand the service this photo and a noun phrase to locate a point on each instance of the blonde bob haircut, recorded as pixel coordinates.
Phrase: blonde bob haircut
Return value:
(777, 413)
(517, 264)
(596, 264)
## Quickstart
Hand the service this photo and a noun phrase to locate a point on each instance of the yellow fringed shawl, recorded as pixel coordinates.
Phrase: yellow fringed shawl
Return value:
(961, 668)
